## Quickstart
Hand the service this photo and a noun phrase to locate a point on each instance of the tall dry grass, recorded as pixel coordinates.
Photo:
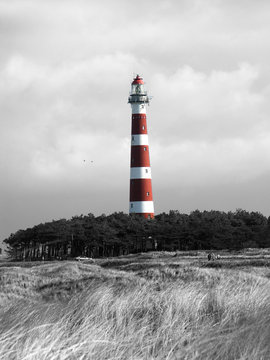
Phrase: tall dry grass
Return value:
(167, 311)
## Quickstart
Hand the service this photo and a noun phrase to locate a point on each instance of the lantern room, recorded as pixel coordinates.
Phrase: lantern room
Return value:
(138, 93)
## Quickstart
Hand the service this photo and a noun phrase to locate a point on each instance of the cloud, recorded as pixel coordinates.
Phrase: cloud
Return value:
(51, 113)
(210, 106)
(201, 163)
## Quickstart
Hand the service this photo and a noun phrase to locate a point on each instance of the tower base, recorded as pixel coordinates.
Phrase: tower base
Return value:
(145, 215)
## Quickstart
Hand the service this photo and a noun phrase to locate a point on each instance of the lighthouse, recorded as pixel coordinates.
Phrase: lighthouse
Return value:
(141, 197)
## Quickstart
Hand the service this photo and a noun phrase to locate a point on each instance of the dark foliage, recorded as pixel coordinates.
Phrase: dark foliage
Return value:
(119, 234)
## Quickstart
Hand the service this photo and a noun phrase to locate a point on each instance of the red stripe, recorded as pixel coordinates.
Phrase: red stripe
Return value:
(147, 215)
(139, 125)
(140, 156)
(141, 190)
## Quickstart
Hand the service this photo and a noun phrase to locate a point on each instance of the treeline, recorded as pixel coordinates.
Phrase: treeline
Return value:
(119, 233)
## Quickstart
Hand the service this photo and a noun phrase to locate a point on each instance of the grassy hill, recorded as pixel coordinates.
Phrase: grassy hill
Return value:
(145, 306)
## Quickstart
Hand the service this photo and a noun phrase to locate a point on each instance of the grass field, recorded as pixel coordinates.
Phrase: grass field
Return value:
(145, 306)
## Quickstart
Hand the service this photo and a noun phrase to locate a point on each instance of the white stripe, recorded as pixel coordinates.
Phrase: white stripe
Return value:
(141, 207)
(140, 173)
(138, 108)
(140, 139)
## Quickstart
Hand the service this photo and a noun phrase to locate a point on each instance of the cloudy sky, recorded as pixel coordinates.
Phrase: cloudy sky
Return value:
(65, 74)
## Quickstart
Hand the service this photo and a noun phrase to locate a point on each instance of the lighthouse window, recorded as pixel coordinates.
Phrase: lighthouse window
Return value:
(143, 127)
(146, 170)
(131, 205)
(145, 149)
(132, 138)
(148, 193)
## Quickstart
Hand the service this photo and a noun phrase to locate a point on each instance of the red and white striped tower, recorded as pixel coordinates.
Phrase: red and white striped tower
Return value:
(141, 197)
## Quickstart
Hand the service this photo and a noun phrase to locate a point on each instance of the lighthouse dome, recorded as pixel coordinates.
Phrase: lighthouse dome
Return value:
(138, 80)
